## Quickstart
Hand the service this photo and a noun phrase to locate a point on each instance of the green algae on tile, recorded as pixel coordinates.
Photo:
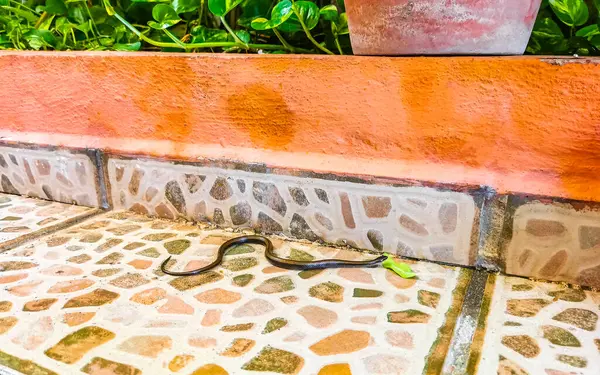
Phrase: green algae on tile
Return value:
(408, 316)
(366, 293)
(39, 304)
(522, 344)
(301, 256)
(526, 307)
(124, 229)
(277, 284)
(22, 365)
(307, 274)
(240, 249)
(133, 245)
(572, 360)
(521, 287)
(243, 280)
(75, 345)
(177, 247)
(189, 282)
(327, 291)
(239, 264)
(110, 243)
(427, 298)
(97, 297)
(569, 294)
(106, 272)
(238, 327)
(275, 360)
(512, 324)
(158, 236)
(274, 324)
(560, 336)
(150, 252)
(15, 265)
(112, 258)
(104, 366)
(581, 318)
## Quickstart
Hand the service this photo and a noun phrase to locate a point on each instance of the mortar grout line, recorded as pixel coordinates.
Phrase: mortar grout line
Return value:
(467, 324)
(51, 229)
(101, 181)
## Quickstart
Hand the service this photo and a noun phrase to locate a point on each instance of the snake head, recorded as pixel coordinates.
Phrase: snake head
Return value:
(401, 269)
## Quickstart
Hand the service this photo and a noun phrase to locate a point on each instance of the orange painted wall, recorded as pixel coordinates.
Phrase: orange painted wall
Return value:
(517, 124)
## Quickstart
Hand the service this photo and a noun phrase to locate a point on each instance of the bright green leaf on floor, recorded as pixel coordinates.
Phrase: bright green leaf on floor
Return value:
(56, 7)
(280, 13)
(165, 17)
(570, 12)
(221, 7)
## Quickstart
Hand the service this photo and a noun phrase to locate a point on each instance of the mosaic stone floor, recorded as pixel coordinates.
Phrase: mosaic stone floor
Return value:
(540, 328)
(24, 218)
(90, 299)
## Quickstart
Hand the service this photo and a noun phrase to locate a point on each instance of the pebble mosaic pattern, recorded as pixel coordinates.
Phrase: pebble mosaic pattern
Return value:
(410, 221)
(22, 217)
(55, 175)
(555, 243)
(541, 329)
(91, 300)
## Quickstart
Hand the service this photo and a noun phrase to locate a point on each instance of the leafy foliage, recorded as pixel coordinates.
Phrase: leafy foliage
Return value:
(567, 27)
(264, 26)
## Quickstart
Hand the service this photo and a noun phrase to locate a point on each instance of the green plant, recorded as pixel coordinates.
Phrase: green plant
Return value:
(265, 26)
(566, 27)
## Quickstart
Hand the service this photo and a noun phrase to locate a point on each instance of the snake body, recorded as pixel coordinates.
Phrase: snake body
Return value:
(274, 259)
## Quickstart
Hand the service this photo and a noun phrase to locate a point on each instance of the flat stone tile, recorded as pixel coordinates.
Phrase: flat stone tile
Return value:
(23, 218)
(108, 313)
(539, 328)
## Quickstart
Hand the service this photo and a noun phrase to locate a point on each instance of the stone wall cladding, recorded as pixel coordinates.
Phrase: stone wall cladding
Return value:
(56, 175)
(553, 240)
(411, 221)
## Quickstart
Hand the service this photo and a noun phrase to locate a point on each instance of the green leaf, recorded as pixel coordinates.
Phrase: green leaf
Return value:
(243, 35)
(77, 15)
(595, 41)
(39, 38)
(184, 6)
(308, 12)
(23, 13)
(127, 47)
(99, 14)
(221, 7)
(280, 13)
(252, 9)
(150, 1)
(165, 17)
(329, 13)
(56, 7)
(341, 26)
(46, 23)
(597, 4)
(4, 2)
(570, 12)
(588, 31)
(201, 34)
(547, 37)
(64, 26)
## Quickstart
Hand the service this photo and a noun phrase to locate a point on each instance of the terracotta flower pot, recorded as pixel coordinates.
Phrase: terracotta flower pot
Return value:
(435, 27)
